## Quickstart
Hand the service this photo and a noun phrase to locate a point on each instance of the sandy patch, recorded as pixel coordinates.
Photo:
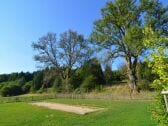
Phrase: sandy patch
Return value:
(67, 108)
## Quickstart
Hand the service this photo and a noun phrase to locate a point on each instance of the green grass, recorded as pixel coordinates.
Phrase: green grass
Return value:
(117, 113)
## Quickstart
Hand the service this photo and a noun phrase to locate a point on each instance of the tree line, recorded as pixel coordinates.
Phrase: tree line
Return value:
(90, 76)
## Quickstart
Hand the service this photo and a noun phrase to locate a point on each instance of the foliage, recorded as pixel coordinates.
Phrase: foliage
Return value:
(74, 49)
(26, 88)
(57, 85)
(11, 90)
(120, 30)
(145, 76)
(18, 79)
(3, 77)
(15, 76)
(1, 85)
(113, 76)
(75, 80)
(89, 83)
(116, 75)
(37, 81)
(92, 67)
(144, 72)
(49, 75)
(107, 74)
(158, 61)
(69, 52)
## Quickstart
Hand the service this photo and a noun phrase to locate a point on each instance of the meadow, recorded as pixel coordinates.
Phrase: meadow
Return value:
(116, 113)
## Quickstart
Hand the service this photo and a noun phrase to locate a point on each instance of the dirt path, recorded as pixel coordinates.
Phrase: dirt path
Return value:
(67, 108)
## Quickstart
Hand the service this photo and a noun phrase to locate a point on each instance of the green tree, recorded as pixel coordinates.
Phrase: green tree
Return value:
(108, 74)
(57, 85)
(92, 67)
(145, 76)
(37, 80)
(120, 30)
(158, 61)
(89, 83)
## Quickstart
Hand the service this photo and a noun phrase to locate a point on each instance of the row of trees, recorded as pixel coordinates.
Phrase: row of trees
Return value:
(86, 78)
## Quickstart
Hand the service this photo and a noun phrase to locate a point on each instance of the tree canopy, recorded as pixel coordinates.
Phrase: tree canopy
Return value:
(120, 30)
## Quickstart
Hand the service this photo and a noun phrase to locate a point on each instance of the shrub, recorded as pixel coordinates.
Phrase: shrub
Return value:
(92, 67)
(11, 90)
(1, 85)
(98, 88)
(57, 86)
(75, 81)
(26, 88)
(144, 85)
(38, 80)
(21, 81)
(89, 83)
(77, 91)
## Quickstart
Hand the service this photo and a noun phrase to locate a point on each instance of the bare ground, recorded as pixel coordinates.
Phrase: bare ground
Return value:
(82, 110)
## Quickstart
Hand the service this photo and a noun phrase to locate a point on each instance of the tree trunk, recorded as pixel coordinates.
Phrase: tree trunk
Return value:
(67, 77)
(131, 69)
(132, 79)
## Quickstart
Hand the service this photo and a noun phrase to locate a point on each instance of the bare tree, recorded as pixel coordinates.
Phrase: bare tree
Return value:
(47, 47)
(73, 51)
(70, 52)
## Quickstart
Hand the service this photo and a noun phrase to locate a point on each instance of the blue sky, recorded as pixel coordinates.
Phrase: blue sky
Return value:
(24, 21)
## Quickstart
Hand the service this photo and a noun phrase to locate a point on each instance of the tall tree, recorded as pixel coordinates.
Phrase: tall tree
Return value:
(65, 54)
(120, 30)
(73, 51)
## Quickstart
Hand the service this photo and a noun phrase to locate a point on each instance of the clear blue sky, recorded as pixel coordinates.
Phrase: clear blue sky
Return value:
(24, 21)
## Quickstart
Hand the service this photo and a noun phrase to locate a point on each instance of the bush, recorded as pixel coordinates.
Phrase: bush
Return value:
(99, 88)
(159, 112)
(57, 86)
(11, 90)
(89, 83)
(92, 68)
(75, 81)
(77, 91)
(21, 81)
(1, 85)
(38, 81)
(26, 88)
(144, 85)
(41, 90)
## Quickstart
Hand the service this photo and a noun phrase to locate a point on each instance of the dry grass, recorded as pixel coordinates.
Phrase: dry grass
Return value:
(115, 92)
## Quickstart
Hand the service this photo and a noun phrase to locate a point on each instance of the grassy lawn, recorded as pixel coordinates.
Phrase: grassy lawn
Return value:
(117, 113)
